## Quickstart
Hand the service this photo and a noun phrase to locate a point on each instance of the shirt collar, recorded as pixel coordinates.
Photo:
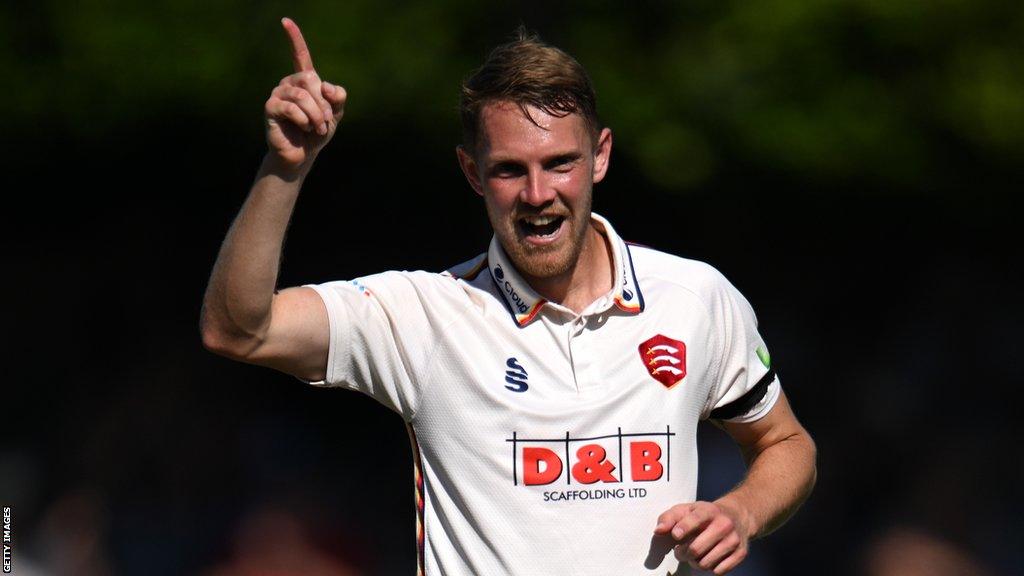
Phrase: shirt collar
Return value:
(525, 303)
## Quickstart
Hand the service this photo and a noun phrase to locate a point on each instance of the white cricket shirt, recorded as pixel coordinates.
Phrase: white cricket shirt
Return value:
(545, 441)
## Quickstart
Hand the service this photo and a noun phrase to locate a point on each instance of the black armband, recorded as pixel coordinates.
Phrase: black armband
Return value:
(744, 403)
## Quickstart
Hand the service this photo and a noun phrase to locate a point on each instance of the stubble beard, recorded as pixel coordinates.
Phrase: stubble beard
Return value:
(545, 262)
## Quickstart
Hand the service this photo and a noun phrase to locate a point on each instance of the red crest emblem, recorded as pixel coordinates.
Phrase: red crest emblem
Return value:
(665, 359)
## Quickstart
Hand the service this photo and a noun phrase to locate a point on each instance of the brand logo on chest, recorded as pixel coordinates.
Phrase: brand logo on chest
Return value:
(515, 376)
(664, 358)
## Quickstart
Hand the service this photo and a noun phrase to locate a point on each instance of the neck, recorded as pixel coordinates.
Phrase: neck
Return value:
(589, 279)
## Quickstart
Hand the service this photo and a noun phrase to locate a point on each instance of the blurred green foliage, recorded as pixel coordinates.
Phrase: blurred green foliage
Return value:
(888, 92)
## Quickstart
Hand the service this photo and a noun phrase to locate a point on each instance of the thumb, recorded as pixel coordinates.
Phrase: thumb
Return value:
(336, 96)
(670, 517)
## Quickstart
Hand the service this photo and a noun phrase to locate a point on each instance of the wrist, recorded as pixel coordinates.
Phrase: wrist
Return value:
(741, 514)
(273, 165)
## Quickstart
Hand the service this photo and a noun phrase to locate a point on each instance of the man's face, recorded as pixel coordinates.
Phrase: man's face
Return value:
(537, 181)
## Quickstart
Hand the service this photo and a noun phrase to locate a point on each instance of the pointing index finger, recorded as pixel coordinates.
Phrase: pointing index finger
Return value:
(300, 52)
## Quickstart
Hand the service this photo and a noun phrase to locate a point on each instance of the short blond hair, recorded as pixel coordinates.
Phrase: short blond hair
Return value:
(528, 72)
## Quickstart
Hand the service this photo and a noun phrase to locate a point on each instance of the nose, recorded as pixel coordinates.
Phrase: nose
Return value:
(536, 191)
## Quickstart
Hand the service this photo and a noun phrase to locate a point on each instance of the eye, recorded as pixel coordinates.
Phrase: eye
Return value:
(507, 170)
(562, 163)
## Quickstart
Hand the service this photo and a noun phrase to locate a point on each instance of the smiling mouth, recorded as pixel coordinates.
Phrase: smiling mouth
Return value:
(540, 226)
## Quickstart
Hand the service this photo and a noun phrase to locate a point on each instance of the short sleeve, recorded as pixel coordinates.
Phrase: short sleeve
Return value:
(745, 385)
(380, 337)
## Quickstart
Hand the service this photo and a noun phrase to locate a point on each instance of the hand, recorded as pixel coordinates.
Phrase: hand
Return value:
(710, 535)
(302, 112)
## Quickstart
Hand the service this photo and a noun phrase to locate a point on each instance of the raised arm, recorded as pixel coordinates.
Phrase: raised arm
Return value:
(243, 317)
(781, 472)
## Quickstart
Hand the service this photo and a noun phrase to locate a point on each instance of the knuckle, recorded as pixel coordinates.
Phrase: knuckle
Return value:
(296, 113)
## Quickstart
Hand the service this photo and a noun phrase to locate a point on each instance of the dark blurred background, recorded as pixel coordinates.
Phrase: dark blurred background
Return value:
(850, 165)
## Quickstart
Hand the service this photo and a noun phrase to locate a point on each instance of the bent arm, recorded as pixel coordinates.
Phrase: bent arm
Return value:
(242, 317)
(780, 456)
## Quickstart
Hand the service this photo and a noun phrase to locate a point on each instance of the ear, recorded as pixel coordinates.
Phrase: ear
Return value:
(469, 169)
(602, 154)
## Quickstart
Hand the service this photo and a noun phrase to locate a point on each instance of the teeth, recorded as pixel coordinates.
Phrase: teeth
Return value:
(540, 220)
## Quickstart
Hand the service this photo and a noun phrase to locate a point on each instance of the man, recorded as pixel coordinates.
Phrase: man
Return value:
(552, 386)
